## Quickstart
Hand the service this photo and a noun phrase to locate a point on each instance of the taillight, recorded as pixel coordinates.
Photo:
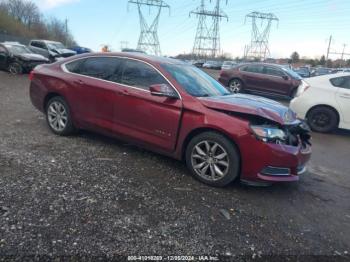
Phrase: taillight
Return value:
(302, 88)
(31, 75)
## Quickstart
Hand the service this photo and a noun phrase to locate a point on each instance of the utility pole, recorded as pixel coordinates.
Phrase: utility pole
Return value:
(148, 40)
(329, 48)
(259, 45)
(330, 52)
(66, 29)
(207, 40)
(342, 54)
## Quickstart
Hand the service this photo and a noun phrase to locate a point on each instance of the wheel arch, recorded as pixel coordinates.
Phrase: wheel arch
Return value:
(200, 130)
(50, 96)
(327, 106)
(235, 77)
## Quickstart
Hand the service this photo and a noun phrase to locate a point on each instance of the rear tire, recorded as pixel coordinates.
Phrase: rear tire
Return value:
(213, 159)
(235, 86)
(322, 119)
(58, 117)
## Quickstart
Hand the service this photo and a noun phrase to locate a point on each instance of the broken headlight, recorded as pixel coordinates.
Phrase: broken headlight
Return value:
(269, 133)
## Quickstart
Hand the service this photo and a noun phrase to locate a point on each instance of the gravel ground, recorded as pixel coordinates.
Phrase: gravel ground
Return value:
(92, 195)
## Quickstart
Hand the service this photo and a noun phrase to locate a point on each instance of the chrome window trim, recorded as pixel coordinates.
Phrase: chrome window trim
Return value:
(240, 69)
(64, 68)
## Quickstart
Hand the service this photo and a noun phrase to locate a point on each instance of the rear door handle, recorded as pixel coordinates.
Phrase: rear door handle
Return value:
(79, 82)
(122, 93)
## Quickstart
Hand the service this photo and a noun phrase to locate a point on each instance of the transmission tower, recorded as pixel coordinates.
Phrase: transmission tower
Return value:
(259, 45)
(207, 41)
(148, 40)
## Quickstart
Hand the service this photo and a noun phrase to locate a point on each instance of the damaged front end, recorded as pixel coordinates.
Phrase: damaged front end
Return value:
(292, 134)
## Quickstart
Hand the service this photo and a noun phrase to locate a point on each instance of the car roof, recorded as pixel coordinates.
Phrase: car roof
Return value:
(262, 64)
(330, 76)
(45, 41)
(144, 57)
(324, 78)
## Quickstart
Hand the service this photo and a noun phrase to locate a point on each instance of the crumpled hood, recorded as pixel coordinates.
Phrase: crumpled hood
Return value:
(33, 57)
(252, 105)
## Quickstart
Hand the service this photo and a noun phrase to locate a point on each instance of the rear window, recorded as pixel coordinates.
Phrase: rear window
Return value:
(342, 82)
(106, 68)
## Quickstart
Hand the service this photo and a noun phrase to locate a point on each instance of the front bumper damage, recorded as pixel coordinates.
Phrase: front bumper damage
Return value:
(278, 161)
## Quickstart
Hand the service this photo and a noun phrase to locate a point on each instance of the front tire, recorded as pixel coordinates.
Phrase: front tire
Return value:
(58, 117)
(15, 68)
(213, 159)
(322, 119)
(235, 86)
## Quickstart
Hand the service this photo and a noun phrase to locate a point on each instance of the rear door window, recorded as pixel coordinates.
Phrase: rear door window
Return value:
(141, 75)
(258, 69)
(75, 66)
(106, 68)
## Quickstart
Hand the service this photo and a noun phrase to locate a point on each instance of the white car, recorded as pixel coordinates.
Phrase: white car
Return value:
(324, 101)
(227, 65)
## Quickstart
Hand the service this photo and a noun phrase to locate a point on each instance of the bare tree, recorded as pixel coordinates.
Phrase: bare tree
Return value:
(27, 19)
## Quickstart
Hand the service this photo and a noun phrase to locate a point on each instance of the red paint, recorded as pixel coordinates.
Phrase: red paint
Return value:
(163, 124)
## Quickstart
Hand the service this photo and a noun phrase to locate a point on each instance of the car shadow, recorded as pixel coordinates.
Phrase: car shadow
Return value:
(179, 168)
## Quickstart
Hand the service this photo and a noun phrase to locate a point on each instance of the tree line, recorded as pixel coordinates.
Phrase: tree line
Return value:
(295, 58)
(23, 18)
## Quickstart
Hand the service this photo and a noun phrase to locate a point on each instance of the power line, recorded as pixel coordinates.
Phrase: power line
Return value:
(207, 39)
(148, 40)
(259, 45)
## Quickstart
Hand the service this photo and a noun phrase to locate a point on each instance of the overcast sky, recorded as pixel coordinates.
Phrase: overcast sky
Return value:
(305, 25)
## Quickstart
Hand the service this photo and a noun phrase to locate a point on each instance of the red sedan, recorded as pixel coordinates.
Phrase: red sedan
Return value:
(177, 110)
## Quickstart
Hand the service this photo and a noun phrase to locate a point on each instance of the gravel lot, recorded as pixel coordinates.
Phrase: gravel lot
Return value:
(92, 195)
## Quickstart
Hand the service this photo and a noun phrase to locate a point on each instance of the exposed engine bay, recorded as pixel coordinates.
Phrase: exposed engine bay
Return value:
(292, 134)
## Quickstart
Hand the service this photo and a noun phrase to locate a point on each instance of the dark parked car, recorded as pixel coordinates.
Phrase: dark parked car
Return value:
(261, 78)
(131, 50)
(50, 49)
(321, 71)
(212, 65)
(175, 109)
(304, 72)
(18, 59)
(198, 63)
(80, 50)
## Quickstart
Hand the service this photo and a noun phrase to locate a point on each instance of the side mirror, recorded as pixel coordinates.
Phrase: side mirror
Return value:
(285, 77)
(163, 90)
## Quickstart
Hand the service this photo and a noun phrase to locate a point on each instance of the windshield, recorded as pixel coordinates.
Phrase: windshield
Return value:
(291, 73)
(18, 49)
(55, 46)
(195, 82)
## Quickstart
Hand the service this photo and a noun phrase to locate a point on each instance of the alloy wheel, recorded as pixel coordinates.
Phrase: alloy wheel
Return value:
(235, 86)
(57, 116)
(14, 69)
(210, 160)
